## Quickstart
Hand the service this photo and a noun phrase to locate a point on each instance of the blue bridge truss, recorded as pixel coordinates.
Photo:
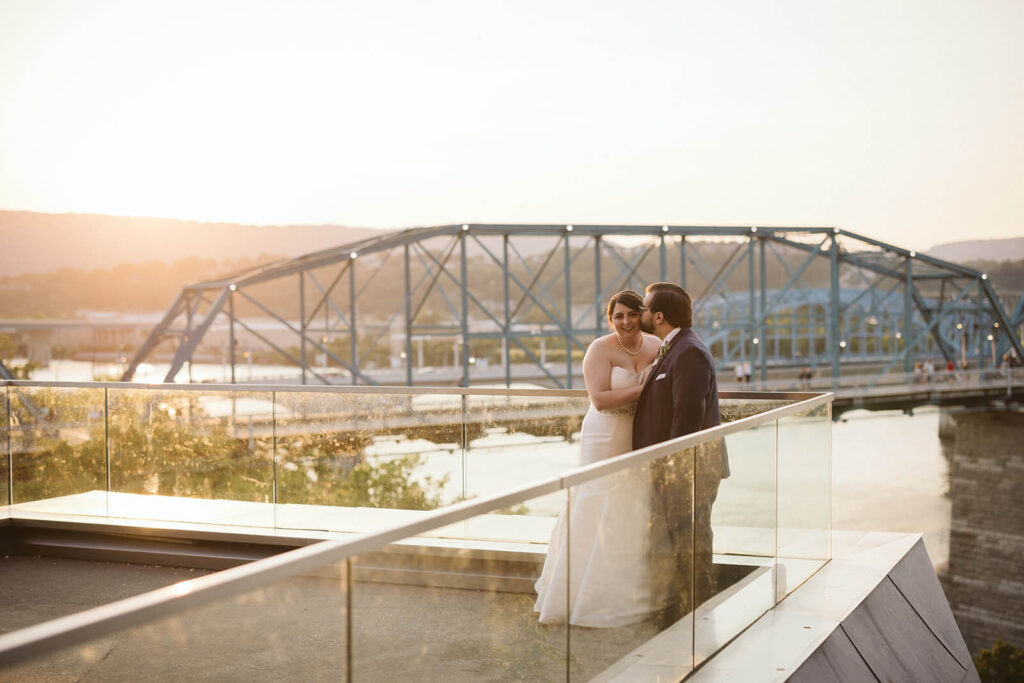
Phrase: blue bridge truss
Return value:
(524, 301)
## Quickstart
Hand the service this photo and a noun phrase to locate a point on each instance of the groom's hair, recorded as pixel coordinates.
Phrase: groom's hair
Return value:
(673, 302)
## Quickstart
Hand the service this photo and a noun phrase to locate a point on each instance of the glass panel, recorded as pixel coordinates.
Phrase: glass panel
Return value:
(58, 450)
(5, 448)
(631, 565)
(517, 440)
(345, 459)
(743, 519)
(430, 610)
(804, 497)
(291, 630)
(733, 409)
(189, 456)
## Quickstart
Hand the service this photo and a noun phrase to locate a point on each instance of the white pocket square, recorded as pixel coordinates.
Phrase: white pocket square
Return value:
(661, 376)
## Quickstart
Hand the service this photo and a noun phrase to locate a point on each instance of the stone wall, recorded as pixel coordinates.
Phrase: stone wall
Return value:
(984, 581)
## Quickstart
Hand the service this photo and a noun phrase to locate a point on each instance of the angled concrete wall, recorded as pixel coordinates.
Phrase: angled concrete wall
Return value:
(903, 631)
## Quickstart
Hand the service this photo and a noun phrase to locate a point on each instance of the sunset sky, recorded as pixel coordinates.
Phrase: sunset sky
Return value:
(900, 120)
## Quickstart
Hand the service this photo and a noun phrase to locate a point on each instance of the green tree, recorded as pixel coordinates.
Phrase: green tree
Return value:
(167, 444)
(1002, 663)
(8, 351)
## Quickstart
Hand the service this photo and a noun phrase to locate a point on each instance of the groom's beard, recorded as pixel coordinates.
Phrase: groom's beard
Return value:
(646, 326)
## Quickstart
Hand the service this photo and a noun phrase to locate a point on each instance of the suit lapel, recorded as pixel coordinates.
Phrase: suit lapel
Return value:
(654, 370)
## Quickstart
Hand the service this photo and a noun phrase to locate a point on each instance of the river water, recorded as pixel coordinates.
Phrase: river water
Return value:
(889, 474)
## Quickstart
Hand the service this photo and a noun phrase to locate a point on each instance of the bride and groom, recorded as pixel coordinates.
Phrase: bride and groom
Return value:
(637, 551)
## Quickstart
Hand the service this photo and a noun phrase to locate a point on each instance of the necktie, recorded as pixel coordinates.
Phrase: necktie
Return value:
(662, 351)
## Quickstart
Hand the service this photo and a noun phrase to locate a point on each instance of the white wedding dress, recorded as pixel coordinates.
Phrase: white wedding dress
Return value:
(609, 520)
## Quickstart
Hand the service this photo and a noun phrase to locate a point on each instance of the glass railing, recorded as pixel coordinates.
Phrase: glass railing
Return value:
(289, 458)
(466, 502)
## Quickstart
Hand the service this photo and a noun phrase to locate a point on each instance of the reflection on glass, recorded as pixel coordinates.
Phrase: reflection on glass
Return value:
(743, 521)
(5, 450)
(293, 629)
(424, 609)
(58, 450)
(189, 456)
(345, 459)
(517, 440)
(733, 409)
(630, 560)
(804, 497)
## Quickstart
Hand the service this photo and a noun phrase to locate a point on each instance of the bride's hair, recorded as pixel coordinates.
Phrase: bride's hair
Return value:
(626, 297)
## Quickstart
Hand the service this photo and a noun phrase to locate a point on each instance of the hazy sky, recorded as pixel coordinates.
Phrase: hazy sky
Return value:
(901, 120)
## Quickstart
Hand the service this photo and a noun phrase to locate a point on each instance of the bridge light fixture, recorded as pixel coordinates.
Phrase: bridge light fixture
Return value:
(995, 324)
(472, 360)
(984, 276)
(664, 228)
(990, 337)
(402, 355)
(568, 228)
(756, 340)
(753, 230)
(232, 286)
(959, 326)
(465, 227)
(842, 343)
(835, 231)
(913, 254)
(354, 255)
(899, 335)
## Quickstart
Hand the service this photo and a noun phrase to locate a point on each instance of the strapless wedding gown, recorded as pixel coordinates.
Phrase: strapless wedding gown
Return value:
(610, 516)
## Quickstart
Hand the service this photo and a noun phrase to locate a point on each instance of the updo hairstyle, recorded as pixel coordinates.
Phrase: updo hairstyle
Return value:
(628, 298)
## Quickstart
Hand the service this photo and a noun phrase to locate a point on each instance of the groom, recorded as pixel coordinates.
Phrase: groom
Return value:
(679, 397)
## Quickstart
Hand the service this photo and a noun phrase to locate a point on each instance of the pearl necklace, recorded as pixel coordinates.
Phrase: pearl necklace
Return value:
(632, 353)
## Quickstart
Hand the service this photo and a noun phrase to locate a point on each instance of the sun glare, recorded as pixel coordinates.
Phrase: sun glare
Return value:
(411, 113)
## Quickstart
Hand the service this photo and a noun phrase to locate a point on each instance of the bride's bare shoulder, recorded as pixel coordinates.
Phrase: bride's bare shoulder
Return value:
(600, 346)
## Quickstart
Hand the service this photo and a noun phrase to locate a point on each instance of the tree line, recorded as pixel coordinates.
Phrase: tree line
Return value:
(150, 287)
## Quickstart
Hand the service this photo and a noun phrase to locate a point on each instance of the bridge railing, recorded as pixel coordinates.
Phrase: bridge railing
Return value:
(940, 380)
(423, 579)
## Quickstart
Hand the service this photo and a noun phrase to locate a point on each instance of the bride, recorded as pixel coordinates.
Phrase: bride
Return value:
(608, 517)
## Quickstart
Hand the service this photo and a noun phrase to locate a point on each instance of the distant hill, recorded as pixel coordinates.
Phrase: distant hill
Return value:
(41, 242)
(1011, 249)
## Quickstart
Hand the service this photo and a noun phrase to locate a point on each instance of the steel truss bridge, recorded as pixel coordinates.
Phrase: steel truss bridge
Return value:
(507, 302)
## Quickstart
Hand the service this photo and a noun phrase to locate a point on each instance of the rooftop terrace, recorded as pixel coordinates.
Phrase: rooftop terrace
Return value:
(356, 541)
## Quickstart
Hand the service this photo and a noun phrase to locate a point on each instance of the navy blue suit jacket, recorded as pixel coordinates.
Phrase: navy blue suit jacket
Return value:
(680, 395)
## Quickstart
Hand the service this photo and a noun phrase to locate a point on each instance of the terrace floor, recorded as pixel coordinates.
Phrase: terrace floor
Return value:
(295, 629)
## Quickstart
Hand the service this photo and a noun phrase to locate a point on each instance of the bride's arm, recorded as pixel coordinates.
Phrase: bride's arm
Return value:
(597, 373)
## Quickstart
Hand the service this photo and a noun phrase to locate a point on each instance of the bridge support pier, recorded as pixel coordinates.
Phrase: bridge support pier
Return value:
(984, 581)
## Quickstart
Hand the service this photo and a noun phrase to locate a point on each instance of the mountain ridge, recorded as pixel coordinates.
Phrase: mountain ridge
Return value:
(1006, 249)
(44, 242)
